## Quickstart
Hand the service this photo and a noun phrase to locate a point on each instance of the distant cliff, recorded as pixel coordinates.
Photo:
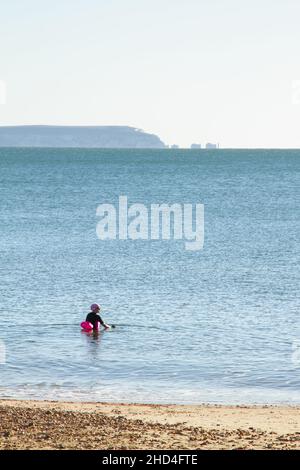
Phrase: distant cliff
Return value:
(78, 136)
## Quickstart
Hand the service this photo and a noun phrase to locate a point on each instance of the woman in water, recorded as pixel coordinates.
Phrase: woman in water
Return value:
(95, 319)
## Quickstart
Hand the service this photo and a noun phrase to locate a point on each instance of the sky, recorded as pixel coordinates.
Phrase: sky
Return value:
(190, 71)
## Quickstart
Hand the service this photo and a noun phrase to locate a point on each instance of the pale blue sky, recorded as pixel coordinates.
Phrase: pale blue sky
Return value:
(188, 70)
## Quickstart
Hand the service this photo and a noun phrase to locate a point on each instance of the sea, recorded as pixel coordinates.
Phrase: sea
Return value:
(220, 324)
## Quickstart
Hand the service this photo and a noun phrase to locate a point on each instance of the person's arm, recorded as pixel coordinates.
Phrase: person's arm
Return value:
(105, 325)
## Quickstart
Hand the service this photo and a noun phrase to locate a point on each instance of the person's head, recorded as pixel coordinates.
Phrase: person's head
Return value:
(95, 308)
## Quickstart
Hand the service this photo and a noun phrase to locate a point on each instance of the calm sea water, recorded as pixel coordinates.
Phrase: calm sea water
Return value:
(220, 325)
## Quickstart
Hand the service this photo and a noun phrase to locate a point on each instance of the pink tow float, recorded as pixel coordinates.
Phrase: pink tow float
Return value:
(87, 326)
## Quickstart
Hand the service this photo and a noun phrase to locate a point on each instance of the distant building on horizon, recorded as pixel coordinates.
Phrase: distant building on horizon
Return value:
(196, 146)
(174, 146)
(211, 146)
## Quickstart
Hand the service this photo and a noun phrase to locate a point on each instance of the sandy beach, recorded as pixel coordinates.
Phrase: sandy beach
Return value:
(57, 425)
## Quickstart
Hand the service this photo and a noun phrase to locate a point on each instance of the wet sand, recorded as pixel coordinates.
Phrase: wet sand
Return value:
(57, 425)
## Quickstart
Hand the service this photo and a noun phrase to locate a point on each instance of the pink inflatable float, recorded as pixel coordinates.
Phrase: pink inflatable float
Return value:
(87, 326)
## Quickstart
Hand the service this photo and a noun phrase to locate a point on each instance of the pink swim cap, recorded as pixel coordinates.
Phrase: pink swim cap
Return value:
(95, 307)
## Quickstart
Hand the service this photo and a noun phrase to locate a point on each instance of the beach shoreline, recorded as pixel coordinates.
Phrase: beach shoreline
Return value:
(32, 424)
